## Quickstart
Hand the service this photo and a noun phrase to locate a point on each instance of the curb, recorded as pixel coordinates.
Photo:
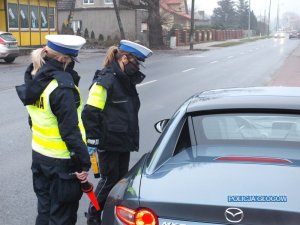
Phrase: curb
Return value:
(25, 51)
(197, 47)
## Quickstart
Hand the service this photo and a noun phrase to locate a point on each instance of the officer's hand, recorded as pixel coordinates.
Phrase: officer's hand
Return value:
(82, 176)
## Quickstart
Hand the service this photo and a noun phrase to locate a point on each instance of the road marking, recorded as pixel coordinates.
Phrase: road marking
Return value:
(213, 62)
(229, 57)
(149, 82)
(184, 71)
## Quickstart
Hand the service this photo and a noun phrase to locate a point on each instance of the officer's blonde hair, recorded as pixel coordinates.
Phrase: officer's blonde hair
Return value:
(38, 55)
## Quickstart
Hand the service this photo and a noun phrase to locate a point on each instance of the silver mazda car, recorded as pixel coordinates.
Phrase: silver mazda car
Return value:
(9, 49)
(229, 156)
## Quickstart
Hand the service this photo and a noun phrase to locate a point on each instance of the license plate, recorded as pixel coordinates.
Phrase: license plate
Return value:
(12, 45)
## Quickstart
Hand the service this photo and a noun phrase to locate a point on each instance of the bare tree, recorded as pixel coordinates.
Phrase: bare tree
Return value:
(119, 19)
(154, 20)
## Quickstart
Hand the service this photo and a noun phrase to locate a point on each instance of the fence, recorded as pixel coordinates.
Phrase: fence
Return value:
(182, 36)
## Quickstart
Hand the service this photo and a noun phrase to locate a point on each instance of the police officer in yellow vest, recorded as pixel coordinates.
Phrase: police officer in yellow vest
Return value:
(111, 116)
(60, 159)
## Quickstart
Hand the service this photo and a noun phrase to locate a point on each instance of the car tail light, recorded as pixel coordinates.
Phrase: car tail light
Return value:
(252, 159)
(142, 216)
(2, 42)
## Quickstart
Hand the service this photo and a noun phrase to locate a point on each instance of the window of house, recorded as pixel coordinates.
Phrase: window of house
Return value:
(76, 25)
(51, 18)
(108, 2)
(88, 1)
(34, 14)
(24, 16)
(13, 21)
(44, 17)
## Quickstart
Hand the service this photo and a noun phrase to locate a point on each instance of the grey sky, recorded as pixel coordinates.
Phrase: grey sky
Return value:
(258, 6)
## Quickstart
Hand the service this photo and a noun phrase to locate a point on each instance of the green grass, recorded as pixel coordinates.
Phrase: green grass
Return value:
(242, 41)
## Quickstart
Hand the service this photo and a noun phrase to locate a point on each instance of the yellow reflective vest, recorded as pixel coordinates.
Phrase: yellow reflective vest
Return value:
(97, 96)
(46, 138)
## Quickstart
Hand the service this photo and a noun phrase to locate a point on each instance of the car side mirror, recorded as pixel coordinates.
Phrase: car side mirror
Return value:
(160, 125)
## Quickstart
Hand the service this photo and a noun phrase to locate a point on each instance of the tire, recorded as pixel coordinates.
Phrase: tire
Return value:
(9, 59)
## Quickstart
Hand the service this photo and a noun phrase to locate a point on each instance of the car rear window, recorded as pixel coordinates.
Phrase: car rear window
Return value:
(7, 37)
(247, 135)
(248, 127)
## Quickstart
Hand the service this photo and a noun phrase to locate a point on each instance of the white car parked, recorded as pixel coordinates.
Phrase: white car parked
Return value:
(9, 49)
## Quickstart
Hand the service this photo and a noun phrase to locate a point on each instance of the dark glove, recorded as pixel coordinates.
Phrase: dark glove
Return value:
(81, 161)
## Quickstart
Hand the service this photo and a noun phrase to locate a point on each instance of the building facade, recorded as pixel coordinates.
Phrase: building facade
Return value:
(99, 16)
(174, 13)
(29, 20)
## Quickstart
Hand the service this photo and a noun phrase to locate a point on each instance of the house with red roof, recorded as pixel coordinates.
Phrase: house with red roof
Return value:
(174, 12)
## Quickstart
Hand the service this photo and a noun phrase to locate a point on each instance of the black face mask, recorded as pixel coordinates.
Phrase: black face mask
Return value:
(130, 69)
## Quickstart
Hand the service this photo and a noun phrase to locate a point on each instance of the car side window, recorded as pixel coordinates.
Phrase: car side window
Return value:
(184, 139)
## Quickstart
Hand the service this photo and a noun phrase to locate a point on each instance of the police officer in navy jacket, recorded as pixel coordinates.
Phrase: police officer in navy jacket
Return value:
(110, 116)
(60, 159)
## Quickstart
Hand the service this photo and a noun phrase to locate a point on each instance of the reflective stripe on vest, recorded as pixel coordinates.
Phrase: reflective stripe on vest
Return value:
(46, 138)
(97, 96)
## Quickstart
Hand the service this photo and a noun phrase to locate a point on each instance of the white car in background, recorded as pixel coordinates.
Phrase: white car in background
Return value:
(279, 35)
(9, 49)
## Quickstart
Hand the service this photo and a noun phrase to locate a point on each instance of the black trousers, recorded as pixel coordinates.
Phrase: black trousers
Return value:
(113, 166)
(54, 206)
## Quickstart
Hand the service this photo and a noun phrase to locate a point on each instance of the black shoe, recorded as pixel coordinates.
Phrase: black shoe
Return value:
(92, 220)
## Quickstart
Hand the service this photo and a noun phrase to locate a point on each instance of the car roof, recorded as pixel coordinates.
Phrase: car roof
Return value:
(4, 32)
(286, 98)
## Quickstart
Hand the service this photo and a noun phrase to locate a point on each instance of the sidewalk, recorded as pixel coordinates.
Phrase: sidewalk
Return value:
(206, 45)
(289, 73)
(200, 47)
(25, 50)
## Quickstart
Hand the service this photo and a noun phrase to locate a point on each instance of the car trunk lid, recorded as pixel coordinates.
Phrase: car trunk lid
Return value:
(203, 190)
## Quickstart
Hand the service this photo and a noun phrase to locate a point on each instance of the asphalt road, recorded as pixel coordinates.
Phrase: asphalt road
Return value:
(171, 78)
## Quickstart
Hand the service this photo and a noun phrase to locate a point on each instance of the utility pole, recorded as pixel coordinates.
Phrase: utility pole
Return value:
(264, 25)
(249, 19)
(277, 19)
(192, 26)
(269, 18)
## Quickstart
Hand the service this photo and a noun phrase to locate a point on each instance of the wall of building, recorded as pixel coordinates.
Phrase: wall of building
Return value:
(2, 16)
(185, 23)
(94, 3)
(178, 7)
(103, 21)
(31, 20)
(142, 27)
